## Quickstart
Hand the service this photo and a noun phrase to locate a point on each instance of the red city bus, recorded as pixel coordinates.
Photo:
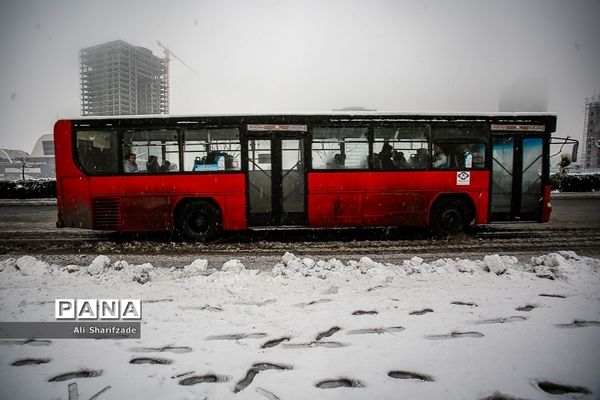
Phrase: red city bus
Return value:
(204, 174)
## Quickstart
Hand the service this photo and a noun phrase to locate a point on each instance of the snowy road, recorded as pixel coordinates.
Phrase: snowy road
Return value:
(355, 314)
(575, 225)
(316, 329)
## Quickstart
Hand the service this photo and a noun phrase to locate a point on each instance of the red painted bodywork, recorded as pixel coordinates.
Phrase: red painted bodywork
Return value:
(147, 202)
(387, 198)
(546, 206)
(334, 199)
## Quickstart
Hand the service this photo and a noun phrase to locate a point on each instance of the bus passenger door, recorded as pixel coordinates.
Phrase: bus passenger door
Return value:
(260, 176)
(517, 187)
(276, 181)
(293, 182)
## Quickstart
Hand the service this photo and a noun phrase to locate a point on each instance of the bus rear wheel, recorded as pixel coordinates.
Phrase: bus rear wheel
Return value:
(449, 217)
(199, 220)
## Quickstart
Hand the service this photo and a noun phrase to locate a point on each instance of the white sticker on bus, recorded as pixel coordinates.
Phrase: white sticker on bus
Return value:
(463, 178)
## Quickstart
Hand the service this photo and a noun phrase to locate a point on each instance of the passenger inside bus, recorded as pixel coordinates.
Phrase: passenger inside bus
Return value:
(399, 159)
(129, 164)
(467, 157)
(440, 160)
(166, 166)
(385, 156)
(419, 159)
(152, 164)
(338, 161)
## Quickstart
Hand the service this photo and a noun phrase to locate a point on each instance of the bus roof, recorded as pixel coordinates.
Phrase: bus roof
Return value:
(548, 119)
(331, 113)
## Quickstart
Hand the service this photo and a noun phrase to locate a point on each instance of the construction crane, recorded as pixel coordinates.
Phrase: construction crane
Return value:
(169, 54)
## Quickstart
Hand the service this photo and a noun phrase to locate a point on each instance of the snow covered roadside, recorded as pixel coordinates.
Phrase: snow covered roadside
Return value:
(453, 329)
(28, 202)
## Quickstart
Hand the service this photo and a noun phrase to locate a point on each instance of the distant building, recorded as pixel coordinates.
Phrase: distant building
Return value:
(118, 78)
(39, 164)
(591, 135)
(42, 156)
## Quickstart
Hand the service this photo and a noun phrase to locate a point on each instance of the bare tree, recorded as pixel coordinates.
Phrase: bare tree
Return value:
(23, 161)
(24, 164)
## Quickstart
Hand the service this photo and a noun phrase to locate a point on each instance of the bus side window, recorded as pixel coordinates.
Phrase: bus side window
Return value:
(478, 152)
(340, 148)
(97, 152)
(157, 150)
(212, 150)
(402, 146)
(462, 155)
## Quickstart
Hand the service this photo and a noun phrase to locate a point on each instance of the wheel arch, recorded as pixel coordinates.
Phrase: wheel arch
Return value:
(463, 197)
(183, 201)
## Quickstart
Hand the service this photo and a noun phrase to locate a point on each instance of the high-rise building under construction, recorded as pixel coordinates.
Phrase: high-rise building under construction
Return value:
(591, 150)
(118, 78)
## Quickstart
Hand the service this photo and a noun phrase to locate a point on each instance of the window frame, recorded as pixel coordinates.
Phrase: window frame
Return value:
(239, 151)
(116, 150)
(397, 125)
(121, 136)
(366, 140)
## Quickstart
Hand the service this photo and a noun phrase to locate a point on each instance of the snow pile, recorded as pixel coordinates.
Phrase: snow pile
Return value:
(31, 266)
(25, 266)
(292, 266)
(234, 266)
(99, 265)
(563, 265)
(499, 265)
(196, 268)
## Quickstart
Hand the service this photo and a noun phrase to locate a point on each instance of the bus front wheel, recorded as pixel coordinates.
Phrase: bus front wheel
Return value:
(199, 220)
(449, 217)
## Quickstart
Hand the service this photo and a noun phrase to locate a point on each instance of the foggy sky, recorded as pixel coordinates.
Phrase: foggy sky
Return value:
(294, 56)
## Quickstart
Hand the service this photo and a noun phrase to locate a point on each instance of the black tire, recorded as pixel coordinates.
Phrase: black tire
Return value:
(449, 217)
(199, 220)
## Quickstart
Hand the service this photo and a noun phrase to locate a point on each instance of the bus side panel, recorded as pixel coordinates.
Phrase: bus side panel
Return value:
(387, 198)
(395, 208)
(335, 199)
(477, 190)
(234, 212)
(546, 205)
(334, 209)
(146, 213)
(74, 209)
(482, 206)
(148, 202)
(72, 186)
(396, 198)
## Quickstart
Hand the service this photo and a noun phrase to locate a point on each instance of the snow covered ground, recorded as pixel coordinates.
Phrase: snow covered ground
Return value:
(306, 328)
